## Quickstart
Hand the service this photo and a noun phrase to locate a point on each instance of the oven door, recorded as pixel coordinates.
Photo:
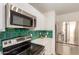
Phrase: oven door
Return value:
(25, 52)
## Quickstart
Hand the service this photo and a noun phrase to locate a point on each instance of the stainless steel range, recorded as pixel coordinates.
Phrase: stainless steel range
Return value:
(22, 46)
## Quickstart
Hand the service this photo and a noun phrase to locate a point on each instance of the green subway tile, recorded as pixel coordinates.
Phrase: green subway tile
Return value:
(50, 34)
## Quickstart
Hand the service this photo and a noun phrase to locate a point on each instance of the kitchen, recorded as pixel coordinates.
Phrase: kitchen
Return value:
(33, 28)
(12, 31)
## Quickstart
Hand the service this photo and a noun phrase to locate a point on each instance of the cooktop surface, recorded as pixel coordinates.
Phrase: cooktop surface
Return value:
(30, 49)
(36, 48)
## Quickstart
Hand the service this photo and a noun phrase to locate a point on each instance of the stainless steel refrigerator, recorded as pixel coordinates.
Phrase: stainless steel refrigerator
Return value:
(67, 38)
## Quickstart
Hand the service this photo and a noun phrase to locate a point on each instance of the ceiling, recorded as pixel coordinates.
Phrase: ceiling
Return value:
(60, 8)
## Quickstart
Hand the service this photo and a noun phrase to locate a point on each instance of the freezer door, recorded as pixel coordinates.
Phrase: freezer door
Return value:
(62, 49)
(67, 49)
(59, 49)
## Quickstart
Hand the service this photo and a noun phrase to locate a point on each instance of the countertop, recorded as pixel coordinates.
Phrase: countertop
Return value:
(47, 42)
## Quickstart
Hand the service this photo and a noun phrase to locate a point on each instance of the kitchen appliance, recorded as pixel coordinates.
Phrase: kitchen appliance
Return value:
(21, 46)
(18, 18)
(67, 38)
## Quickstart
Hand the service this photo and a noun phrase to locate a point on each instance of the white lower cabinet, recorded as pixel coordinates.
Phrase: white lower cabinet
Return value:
(45, 42)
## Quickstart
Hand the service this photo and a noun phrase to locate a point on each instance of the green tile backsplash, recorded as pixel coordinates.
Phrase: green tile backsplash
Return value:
(13, 32)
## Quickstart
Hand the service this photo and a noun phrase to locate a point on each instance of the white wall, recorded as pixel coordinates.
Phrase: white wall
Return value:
(68, 17)
(50, 25)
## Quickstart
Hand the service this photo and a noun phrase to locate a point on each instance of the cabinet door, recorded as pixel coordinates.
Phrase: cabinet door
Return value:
(2, 17)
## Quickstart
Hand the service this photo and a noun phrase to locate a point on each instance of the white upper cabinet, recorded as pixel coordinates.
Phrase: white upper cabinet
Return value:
(2, 17)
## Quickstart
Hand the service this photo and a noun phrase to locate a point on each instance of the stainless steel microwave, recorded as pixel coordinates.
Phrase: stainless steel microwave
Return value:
(18, 18)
